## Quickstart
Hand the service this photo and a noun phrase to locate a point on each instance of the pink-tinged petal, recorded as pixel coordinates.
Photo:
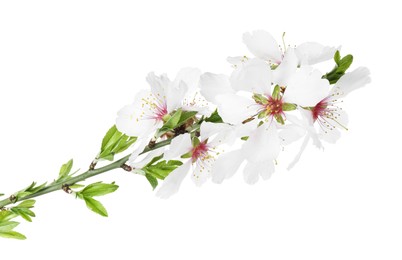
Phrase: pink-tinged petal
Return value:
(190, 76)
(180, 145)
(201, 171)
(254, 170)
(286, 69)
(254, 76)
(306, 88)
(310, 53)
(226, 165)
(235, 109)
(213, 85)
(263, 46)
(351, 81)
(263, 144)
(172, 182)
(130, 121)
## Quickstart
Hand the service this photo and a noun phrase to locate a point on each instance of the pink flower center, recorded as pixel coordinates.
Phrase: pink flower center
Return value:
(320, 109)
(198, 151)
(160, 112)
(274, 106)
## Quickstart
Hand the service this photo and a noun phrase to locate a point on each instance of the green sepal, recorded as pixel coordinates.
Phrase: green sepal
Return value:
(263, 114)
(288, 106)
(276, 94)
(260, 99)
(195, 141)
(244, 138)
(279, 119)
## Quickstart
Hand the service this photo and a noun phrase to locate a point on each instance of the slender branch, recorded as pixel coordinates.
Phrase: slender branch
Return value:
(86, 175)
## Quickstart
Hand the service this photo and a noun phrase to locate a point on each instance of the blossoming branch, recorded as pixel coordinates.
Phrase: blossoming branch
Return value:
(208, 126)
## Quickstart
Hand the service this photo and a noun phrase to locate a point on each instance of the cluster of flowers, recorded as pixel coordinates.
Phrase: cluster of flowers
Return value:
(216, 122)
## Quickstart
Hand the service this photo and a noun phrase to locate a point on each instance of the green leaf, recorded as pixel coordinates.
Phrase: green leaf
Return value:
(185, 115)
(342, 64)
(244, 138)
(95, 206)
(288, 107)
(1, 194)
(12, 234)
(98, 189)
(173, 120)
(337, 57)
(152, 180)
(162, 169)
(214, 118)
(26, 204)
(6, 215)
(114, 142)
(65, 169)
(8, 226)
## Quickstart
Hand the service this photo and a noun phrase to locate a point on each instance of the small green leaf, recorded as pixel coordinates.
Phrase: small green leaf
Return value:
(65, 169)
(26, 204)
(8, 226)
(98, 189)
(1, 194)
(214, 118)
(6, 215)
(152, 180)
(114, 142)
(95, 206)
(337, 57)
(174, 120)
(244, 138)
(76, 186)
(345, 63)
(288, 107)
(185, 115)
(162, 169)
(12, 234)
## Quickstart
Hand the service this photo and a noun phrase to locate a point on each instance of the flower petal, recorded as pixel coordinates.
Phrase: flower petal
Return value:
(180, 145)
(134, 120)
(226, 165)
(253, 171)
(190, 76)
(286, 69)
(306, 88)
(310, 53)
(213, 85)
(253, 76)
(172, 182)
(158, 85)
(351, 81)
(235, 109)
(202, 171)
(175, 95)
(263, 46)
(263, 144)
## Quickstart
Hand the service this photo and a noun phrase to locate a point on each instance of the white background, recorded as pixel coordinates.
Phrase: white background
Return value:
(66, 67)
